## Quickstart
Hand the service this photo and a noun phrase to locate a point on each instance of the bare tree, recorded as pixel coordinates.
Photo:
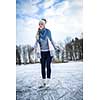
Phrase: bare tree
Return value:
(18, 58)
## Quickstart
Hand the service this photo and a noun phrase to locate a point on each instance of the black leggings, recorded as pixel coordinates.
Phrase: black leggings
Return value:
(46, 62)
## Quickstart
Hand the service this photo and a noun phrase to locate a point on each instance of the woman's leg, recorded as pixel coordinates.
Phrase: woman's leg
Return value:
(49, 67)
(42, 60)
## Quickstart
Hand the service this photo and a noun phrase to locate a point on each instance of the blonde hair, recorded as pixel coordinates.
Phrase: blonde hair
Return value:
(37, 36)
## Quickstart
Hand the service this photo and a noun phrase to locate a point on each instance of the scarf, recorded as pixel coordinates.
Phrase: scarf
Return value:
(42, 34)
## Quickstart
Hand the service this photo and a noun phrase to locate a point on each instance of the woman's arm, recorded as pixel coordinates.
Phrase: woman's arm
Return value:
(50, 38)
(35, 45)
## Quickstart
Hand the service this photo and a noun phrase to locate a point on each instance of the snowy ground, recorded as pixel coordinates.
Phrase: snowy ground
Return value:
(66, 84)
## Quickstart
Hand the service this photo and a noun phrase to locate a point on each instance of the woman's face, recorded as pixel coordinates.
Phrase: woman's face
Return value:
(41, 25)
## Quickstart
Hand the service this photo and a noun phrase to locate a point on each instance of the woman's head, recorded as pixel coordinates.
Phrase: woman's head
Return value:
(42, 23)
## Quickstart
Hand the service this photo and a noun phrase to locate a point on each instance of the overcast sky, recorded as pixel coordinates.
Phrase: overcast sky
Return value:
(64, 19)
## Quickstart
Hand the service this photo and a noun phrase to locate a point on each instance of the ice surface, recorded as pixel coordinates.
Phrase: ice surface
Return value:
(66, 82)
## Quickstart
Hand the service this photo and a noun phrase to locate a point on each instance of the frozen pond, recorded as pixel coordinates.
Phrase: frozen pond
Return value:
(66, 82)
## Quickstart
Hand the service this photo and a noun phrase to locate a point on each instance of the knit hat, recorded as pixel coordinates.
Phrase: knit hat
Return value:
(42, 21)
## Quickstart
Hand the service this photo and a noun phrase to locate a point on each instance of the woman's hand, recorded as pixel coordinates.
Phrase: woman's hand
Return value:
(57, 50)
(32, 49)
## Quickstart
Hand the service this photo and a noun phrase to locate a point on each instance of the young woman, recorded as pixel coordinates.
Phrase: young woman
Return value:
(42, 37)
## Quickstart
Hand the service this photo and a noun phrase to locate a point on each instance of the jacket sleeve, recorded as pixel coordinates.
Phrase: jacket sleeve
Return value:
(35, 45)
(50, 38)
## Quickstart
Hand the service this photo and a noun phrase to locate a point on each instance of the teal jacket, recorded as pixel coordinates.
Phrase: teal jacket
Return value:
(44, 35)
